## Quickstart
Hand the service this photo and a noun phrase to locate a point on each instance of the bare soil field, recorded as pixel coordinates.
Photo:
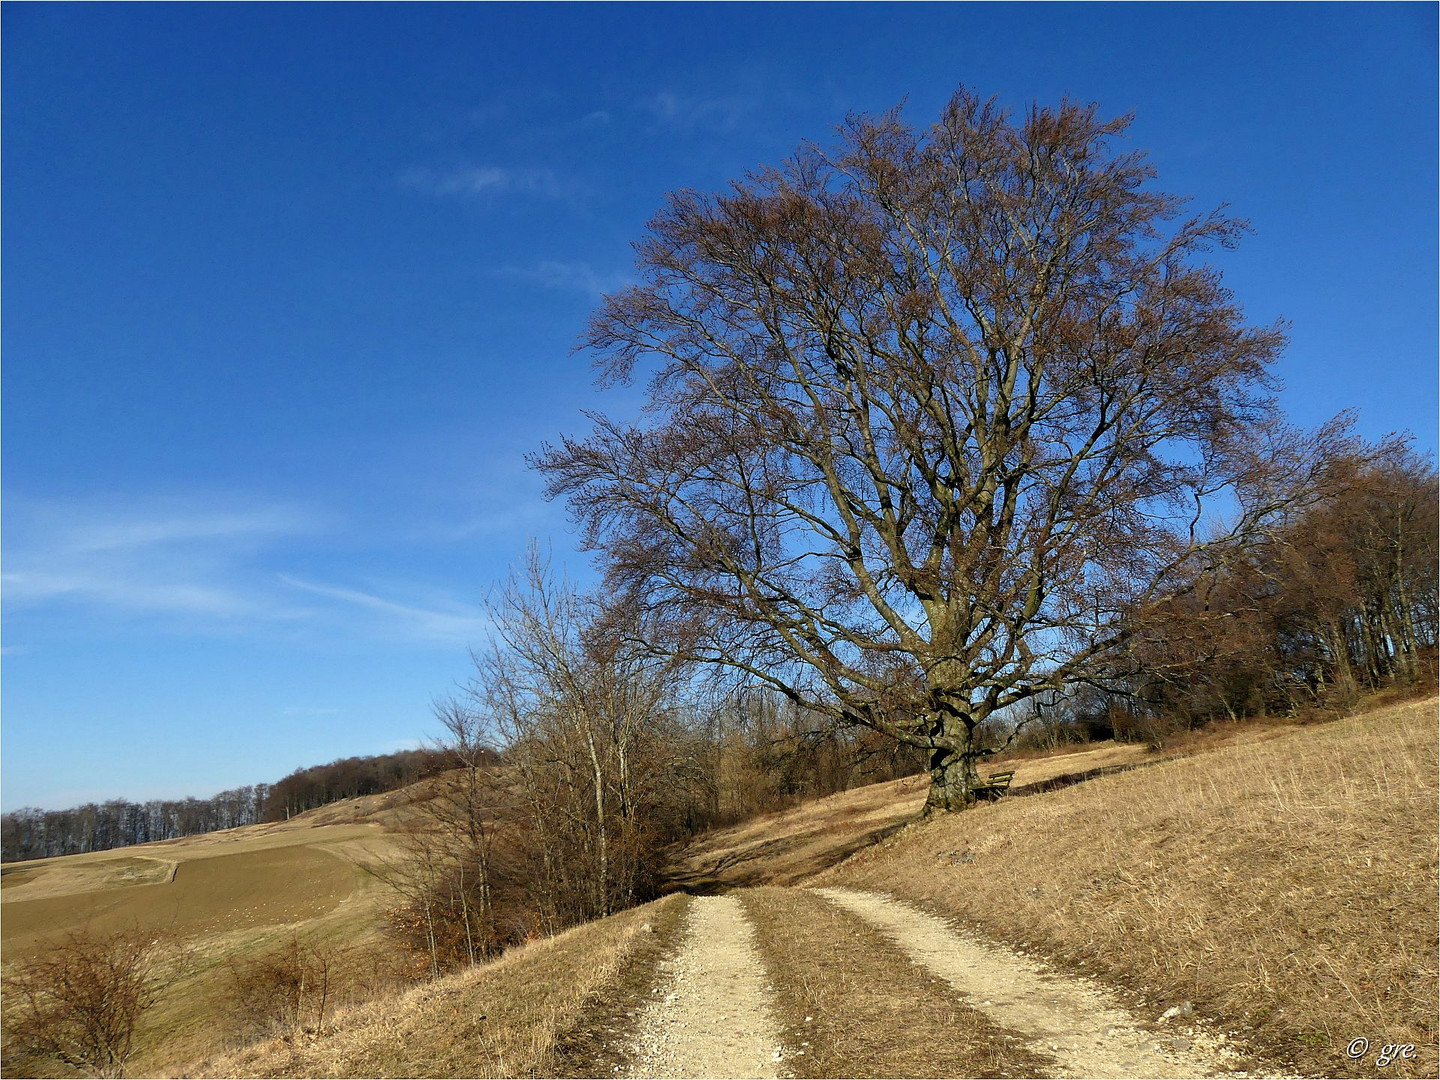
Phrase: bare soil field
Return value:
(205, 896)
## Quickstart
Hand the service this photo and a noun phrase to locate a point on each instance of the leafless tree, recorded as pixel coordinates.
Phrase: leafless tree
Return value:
(1334, 599)
(927, 415)
(598, 759)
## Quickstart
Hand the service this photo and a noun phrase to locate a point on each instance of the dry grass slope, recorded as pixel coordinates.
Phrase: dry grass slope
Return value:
(786, 847)
(1287, 886)
(1284, 881)
(506, 1018)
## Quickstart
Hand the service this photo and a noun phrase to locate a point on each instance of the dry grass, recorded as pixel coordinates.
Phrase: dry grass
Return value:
(598, 1043)
(505, 1018)
(853, 1005)
(791, 845)
(35, 881)
(225, 895)
(1286, 886)
(786, 846)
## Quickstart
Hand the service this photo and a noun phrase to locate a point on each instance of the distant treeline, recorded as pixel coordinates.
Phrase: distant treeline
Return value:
(348, 778)
(36, 834)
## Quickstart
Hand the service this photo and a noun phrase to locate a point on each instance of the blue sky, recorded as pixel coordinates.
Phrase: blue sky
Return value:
(290, 290)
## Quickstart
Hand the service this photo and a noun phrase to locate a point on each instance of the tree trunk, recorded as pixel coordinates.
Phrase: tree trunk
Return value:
(603, 884)
(953, 777)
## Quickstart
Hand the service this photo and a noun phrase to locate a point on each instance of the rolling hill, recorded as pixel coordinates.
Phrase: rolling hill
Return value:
(1270, 890)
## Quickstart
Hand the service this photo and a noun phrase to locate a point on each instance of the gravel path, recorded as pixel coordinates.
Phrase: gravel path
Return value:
(1084, 1027)
(710, 1016)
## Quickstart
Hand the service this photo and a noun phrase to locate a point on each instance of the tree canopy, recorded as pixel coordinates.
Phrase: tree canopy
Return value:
(928, 413)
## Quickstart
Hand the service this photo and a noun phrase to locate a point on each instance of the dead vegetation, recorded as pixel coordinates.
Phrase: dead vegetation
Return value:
(77, 1003)
(229, 897)
(788, 846)
(1286, 887)
(1281, 878)
(285, 989)
(505, 1018)
(853, 1005)
(597, 1044)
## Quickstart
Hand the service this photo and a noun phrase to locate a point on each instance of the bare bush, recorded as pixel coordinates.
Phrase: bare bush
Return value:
(285, 990)
(445, 874)
(604, 766)
(79, 1000)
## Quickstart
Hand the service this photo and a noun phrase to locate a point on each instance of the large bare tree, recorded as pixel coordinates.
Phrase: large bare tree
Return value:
(927, 413)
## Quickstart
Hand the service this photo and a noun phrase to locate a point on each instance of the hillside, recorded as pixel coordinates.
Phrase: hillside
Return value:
(1287, 889)
(30, 834)
(218, 896)
(788, 846)
(1276, 891)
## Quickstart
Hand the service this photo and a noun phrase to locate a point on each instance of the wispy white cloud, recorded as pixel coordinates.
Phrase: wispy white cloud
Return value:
(170, 527)
(212, 566)
(155, 557)
(723, 112)
(139, 588)
(578, 277)
(483, 181)
(750, 97)
(446, 621)
(529, 516)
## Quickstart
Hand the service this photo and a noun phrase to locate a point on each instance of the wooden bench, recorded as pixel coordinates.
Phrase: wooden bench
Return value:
(994, 785)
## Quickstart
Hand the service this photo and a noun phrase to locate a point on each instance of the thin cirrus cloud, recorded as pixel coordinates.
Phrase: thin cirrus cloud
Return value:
(201, 569)
(164, 558)
(445, 621)
(561, 276)
(684, 112)
(172, 528)
(484, 181)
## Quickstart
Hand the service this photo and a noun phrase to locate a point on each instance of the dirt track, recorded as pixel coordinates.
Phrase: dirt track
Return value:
(712, 1012)
(1084, 1028)
(710, 1016)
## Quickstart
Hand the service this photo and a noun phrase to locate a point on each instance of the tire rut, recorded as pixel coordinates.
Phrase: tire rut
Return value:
(710, 1016)
(1083, 1027)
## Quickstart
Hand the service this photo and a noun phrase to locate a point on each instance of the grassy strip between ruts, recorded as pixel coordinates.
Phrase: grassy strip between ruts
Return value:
(1286, 888)
(502, 1019)
(596, 1043)
(851, 1004)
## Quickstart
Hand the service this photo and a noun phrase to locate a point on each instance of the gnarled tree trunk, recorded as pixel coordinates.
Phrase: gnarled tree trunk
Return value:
(953, 777)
